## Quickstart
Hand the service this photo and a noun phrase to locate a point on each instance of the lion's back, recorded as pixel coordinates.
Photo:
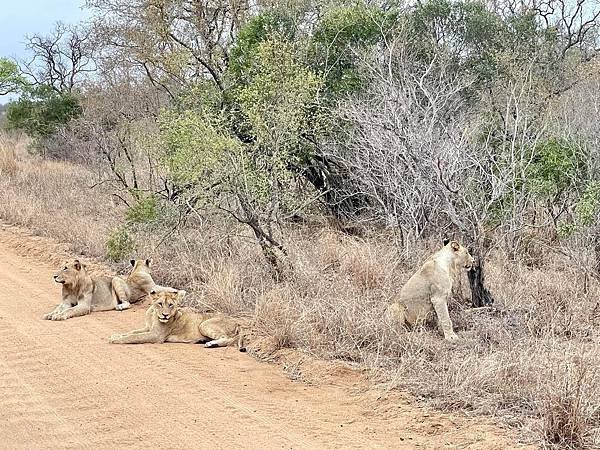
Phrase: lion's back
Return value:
(416, 294)
(140, 284)
(102, 289)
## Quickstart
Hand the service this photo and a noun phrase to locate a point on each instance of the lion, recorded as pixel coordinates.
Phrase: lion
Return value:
(429, 288)
(166, 321)
(83, 294)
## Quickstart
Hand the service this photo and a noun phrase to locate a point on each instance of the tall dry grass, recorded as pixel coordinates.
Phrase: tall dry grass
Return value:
(53, 198)
(9, 148)
(532, 361)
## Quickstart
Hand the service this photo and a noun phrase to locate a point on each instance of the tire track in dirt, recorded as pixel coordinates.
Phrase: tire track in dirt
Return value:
(63, 386)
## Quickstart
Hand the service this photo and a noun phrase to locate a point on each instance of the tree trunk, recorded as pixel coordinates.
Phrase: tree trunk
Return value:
(480, 295)
(267, 243)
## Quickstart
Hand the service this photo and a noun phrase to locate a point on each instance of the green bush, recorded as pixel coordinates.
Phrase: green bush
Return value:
(120, 244)
(41, 111)
(588, 206)
(145, 210)
(257, 30)
(557, 166)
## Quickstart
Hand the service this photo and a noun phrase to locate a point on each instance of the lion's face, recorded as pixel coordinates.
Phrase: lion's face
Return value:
(166, 304)
(69, 274)
(462, 257)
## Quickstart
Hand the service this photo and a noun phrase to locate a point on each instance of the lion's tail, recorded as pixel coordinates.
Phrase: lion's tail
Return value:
(240, 343)
(242, 333)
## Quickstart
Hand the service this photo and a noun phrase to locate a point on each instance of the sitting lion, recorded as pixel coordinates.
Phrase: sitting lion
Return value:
(167, 322)
(428, 289)
(82, 294)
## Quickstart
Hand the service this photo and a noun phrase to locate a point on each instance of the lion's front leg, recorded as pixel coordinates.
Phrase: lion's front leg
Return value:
(80, 309)
(441, 309)
(59, 309)
(75, 311)
(137, 337)
(142, 330)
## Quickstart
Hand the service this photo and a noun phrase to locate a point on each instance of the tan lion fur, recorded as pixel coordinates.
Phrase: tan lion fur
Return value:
(83, 294)
(427, 291)
(166, 321)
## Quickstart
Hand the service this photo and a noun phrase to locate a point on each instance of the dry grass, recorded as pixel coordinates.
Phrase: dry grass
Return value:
(9, 148)
(52, 198)
(532, 361)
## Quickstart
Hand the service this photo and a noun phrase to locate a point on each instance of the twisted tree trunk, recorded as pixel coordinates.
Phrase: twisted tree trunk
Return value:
(480, 295)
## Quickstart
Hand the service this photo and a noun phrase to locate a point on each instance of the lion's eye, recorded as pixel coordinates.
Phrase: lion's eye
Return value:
(171, 305)
(160, 304)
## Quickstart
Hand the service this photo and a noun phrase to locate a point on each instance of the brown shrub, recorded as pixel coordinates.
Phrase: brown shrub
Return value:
(568, 406)
(274, 317)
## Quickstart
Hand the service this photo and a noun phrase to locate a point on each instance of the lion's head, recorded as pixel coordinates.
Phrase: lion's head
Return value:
(166, 304)
(141, 265)
(70, 273)
(462, 257)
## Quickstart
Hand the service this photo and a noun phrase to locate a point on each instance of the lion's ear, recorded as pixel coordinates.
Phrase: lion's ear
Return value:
(148, 262)
(445, 241)
(180, 294)
(455, 246)
(77, 264)
(132, 262)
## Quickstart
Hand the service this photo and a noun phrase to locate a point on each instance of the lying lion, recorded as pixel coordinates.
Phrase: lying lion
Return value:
(428, 289)
(167, 322)
(82, 294)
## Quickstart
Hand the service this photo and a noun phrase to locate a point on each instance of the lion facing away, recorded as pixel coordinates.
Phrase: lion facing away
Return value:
(83, 294)
(166, 321)
(429, 288)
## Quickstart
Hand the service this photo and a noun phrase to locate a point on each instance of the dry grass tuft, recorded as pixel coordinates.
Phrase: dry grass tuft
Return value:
(569, 412)
(274, 317)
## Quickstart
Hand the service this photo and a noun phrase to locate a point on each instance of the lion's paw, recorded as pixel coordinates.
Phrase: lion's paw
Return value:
(123, 306)
(58, 317)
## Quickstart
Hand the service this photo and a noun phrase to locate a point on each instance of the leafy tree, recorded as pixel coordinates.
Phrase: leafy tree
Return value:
(10, 78)
(253, 181)
(40, 111)
(343, 31)
(557, 173)
(257, 30)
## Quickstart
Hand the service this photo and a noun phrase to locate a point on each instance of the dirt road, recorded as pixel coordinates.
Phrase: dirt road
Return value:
(63, 386)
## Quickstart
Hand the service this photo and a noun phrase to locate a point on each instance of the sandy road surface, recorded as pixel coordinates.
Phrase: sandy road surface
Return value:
(63, 386)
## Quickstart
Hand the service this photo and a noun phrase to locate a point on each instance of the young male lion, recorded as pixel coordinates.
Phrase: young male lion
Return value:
(166, 321)
(428, 289)
(82, 293)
